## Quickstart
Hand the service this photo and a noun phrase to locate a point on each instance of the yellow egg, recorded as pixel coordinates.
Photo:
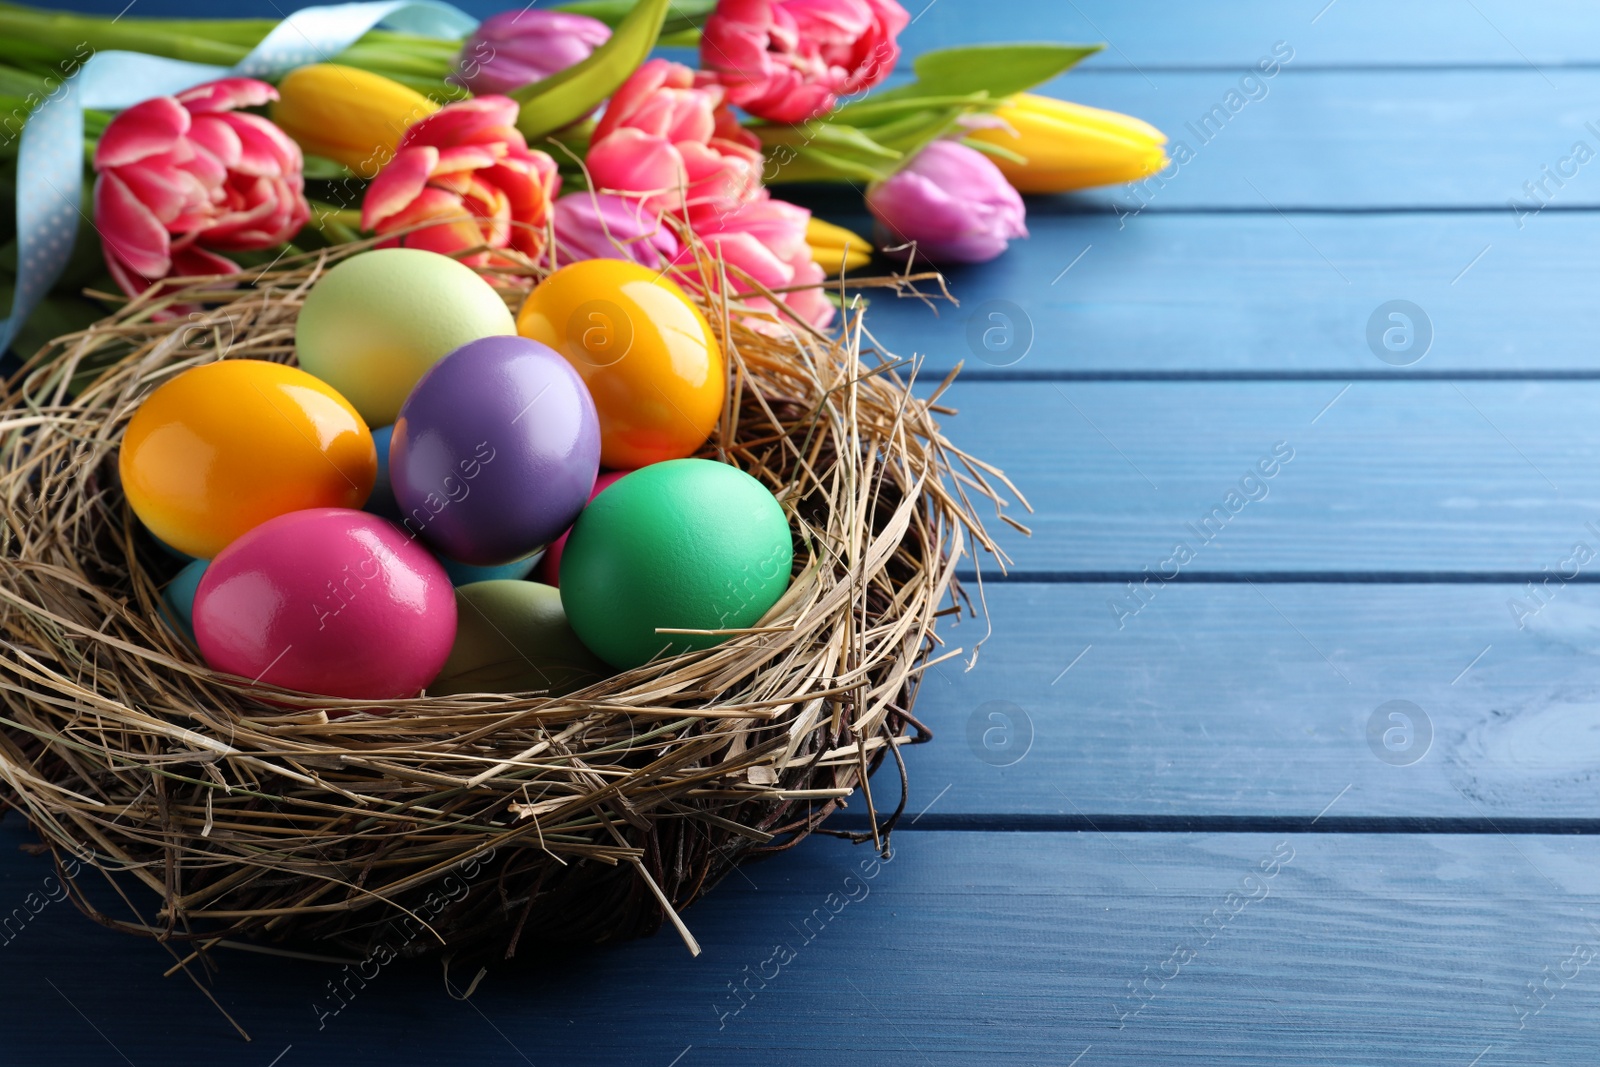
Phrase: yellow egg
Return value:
(222, 448)
(646, 353)
(376, 322)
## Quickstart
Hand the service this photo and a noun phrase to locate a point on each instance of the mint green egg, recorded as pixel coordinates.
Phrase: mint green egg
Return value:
(512, 637)
(374, 324)
(687, 544)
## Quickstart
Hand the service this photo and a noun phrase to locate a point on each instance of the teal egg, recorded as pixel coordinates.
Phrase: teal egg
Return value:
(513, 637)
(466, 574)
(686, 544)
(381, 500)
(178, 597)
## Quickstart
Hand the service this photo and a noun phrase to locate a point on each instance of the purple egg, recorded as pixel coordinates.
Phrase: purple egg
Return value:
(495, 451)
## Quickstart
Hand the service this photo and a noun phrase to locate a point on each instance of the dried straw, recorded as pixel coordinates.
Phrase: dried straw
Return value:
(470, 823)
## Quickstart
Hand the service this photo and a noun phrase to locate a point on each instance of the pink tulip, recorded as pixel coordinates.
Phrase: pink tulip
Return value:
(468, 167)
(674, 144)
(602, 226)
(183, 177)
(517, 48)
(766, 239)
(952, 202)
(790, 60)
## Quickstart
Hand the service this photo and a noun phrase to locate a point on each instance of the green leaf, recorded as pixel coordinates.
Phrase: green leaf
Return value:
(568, 95)
(999, 70)
(823, 135)
(823, 151)
(995, 150)
(687, 15)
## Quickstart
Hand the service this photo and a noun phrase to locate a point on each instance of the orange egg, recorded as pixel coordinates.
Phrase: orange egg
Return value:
(222, 448)
(646, 353)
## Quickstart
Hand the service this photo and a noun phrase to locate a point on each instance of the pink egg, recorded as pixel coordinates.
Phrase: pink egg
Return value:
(329, 601)
(549, 570)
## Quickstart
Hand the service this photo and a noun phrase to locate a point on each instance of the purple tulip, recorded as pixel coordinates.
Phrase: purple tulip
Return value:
(602, 226)
(516, 48)
(952, 201)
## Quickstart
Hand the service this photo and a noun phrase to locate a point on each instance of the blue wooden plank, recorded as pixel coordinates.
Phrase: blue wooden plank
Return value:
(965, 948)
(1235, 700)
(1222, 294)
(1160, 34)
(1385, 477)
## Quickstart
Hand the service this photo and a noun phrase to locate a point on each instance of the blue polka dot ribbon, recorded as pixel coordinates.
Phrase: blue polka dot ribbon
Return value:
(50, 157)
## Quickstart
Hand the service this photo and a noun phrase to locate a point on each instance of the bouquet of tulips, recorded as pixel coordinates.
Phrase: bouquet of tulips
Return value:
(558, 135)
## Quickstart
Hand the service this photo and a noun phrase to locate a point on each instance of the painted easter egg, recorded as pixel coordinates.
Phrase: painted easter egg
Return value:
(328, 601)
(688, 544)
(377, 321)
(466, 574)
(649, 357)
(381, 501)
(549, 571)
(495, 451)
(177, 599)
(513, 637)
(223, 447)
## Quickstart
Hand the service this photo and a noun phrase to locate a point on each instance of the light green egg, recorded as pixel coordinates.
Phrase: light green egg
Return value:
(377, 321)
(513, 637)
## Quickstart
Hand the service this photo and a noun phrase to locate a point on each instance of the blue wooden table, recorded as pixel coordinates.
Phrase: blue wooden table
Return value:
(1325, 792)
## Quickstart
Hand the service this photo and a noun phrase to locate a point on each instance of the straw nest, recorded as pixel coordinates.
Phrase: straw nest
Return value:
(460, 824)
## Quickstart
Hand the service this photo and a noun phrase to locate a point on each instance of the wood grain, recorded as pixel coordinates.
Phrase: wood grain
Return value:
(1172, 295)
(1243, 700)
(1002, 948)
(1445, 477)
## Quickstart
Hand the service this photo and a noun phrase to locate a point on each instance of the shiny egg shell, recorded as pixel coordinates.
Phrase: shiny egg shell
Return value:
(689, 544)
(645, 351)
(328, 601)
(495, 451)
(549, 571)
(374, 323)
(177, 599)
(513, 637)
(223, 447)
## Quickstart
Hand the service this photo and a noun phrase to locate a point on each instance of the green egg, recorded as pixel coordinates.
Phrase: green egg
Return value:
(513, 637)
(374, 324)
(686, 544)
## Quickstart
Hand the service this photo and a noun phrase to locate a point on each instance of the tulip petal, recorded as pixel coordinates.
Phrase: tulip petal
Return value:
(226, 94)
(194, 260)
(631, 161)
(264, 149)
(130, 231)
(641, 85)
(464, 122)
(464, 158)
(170, 194)
(397, 185)
(218, 138)
(436, 204)
(146, 129)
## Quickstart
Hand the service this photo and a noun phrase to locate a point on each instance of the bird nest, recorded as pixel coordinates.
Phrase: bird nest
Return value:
(221, 811)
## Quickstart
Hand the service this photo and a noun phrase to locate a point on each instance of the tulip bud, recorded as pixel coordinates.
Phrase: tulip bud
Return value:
(836, 249)
(601, 226)
(517, 48)
(352, 116)
(1070, 146)
(952, 202)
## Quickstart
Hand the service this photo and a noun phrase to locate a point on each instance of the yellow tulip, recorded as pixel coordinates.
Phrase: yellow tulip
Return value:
(349, 115)
(836, 249)
(1070, 146)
